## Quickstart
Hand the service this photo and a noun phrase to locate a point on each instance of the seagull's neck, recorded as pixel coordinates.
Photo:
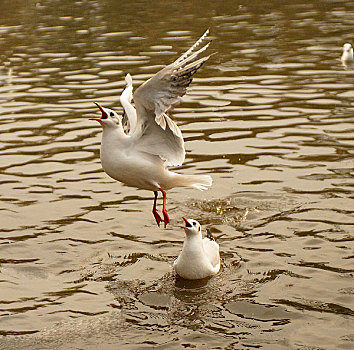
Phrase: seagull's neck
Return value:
(193, 243)
(114, 135)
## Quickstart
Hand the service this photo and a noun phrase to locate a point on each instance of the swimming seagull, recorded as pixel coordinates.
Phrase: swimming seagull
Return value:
(347, 55)
(199, 257)
(140, 156)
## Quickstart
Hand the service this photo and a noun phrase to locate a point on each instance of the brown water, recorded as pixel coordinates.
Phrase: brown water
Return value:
(269, 116)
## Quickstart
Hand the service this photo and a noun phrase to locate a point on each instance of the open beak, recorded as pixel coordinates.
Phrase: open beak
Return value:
(103, 116)
(187, 224)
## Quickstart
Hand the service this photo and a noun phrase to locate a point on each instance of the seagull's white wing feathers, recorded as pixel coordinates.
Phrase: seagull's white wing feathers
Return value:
(155, 131)
(211, 249)
(164, 140)
(129, 114)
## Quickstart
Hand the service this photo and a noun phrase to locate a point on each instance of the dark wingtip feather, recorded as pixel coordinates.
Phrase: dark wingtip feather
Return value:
(210, 235)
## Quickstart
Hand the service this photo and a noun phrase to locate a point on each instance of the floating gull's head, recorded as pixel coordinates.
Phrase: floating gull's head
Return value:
(347, 47)
(347, 52)
(192, 227)
(109, 118)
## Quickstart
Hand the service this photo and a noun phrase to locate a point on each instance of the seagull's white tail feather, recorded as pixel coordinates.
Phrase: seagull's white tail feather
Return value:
(200, 182)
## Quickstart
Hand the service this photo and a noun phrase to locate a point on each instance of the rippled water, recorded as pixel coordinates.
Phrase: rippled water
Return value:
(270, 116)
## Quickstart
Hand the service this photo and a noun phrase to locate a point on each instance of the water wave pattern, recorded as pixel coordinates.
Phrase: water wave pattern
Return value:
(270, 117)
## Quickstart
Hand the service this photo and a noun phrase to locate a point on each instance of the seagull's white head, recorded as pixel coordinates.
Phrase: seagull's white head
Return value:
(347, 47)
(192, 227)
(109, 118)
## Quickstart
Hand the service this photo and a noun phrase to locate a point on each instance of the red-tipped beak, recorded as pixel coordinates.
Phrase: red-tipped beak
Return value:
(104, 114)
(187, 224)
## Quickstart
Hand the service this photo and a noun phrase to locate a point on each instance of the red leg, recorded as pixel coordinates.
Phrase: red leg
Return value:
(166, 219)
(154, 211)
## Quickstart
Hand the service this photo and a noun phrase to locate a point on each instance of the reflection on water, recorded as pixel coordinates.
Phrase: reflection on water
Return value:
(270, 116)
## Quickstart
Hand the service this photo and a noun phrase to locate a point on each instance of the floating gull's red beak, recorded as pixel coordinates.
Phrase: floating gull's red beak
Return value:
(187, 224)
(104, 114)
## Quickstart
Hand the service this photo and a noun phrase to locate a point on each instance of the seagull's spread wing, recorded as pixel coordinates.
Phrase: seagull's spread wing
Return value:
(155, 132)
(129, 114)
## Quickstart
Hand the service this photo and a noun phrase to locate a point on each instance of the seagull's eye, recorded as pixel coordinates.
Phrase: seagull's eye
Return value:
(111, 114)
(194, 223)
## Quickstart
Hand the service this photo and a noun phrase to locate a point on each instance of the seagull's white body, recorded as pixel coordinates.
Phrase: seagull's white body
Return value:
(140, 157)
(199, 257)
(125, 163)
(348, 55)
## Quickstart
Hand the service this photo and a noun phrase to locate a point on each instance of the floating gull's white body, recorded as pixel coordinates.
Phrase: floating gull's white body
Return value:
(199, 257)
(347, 55)
(139, 156)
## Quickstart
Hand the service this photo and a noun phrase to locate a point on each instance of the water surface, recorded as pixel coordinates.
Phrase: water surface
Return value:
(269, 116)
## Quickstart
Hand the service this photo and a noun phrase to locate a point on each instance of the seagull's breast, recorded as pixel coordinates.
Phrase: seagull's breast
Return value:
(196, 263)
(132, 170)
(123, 163)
